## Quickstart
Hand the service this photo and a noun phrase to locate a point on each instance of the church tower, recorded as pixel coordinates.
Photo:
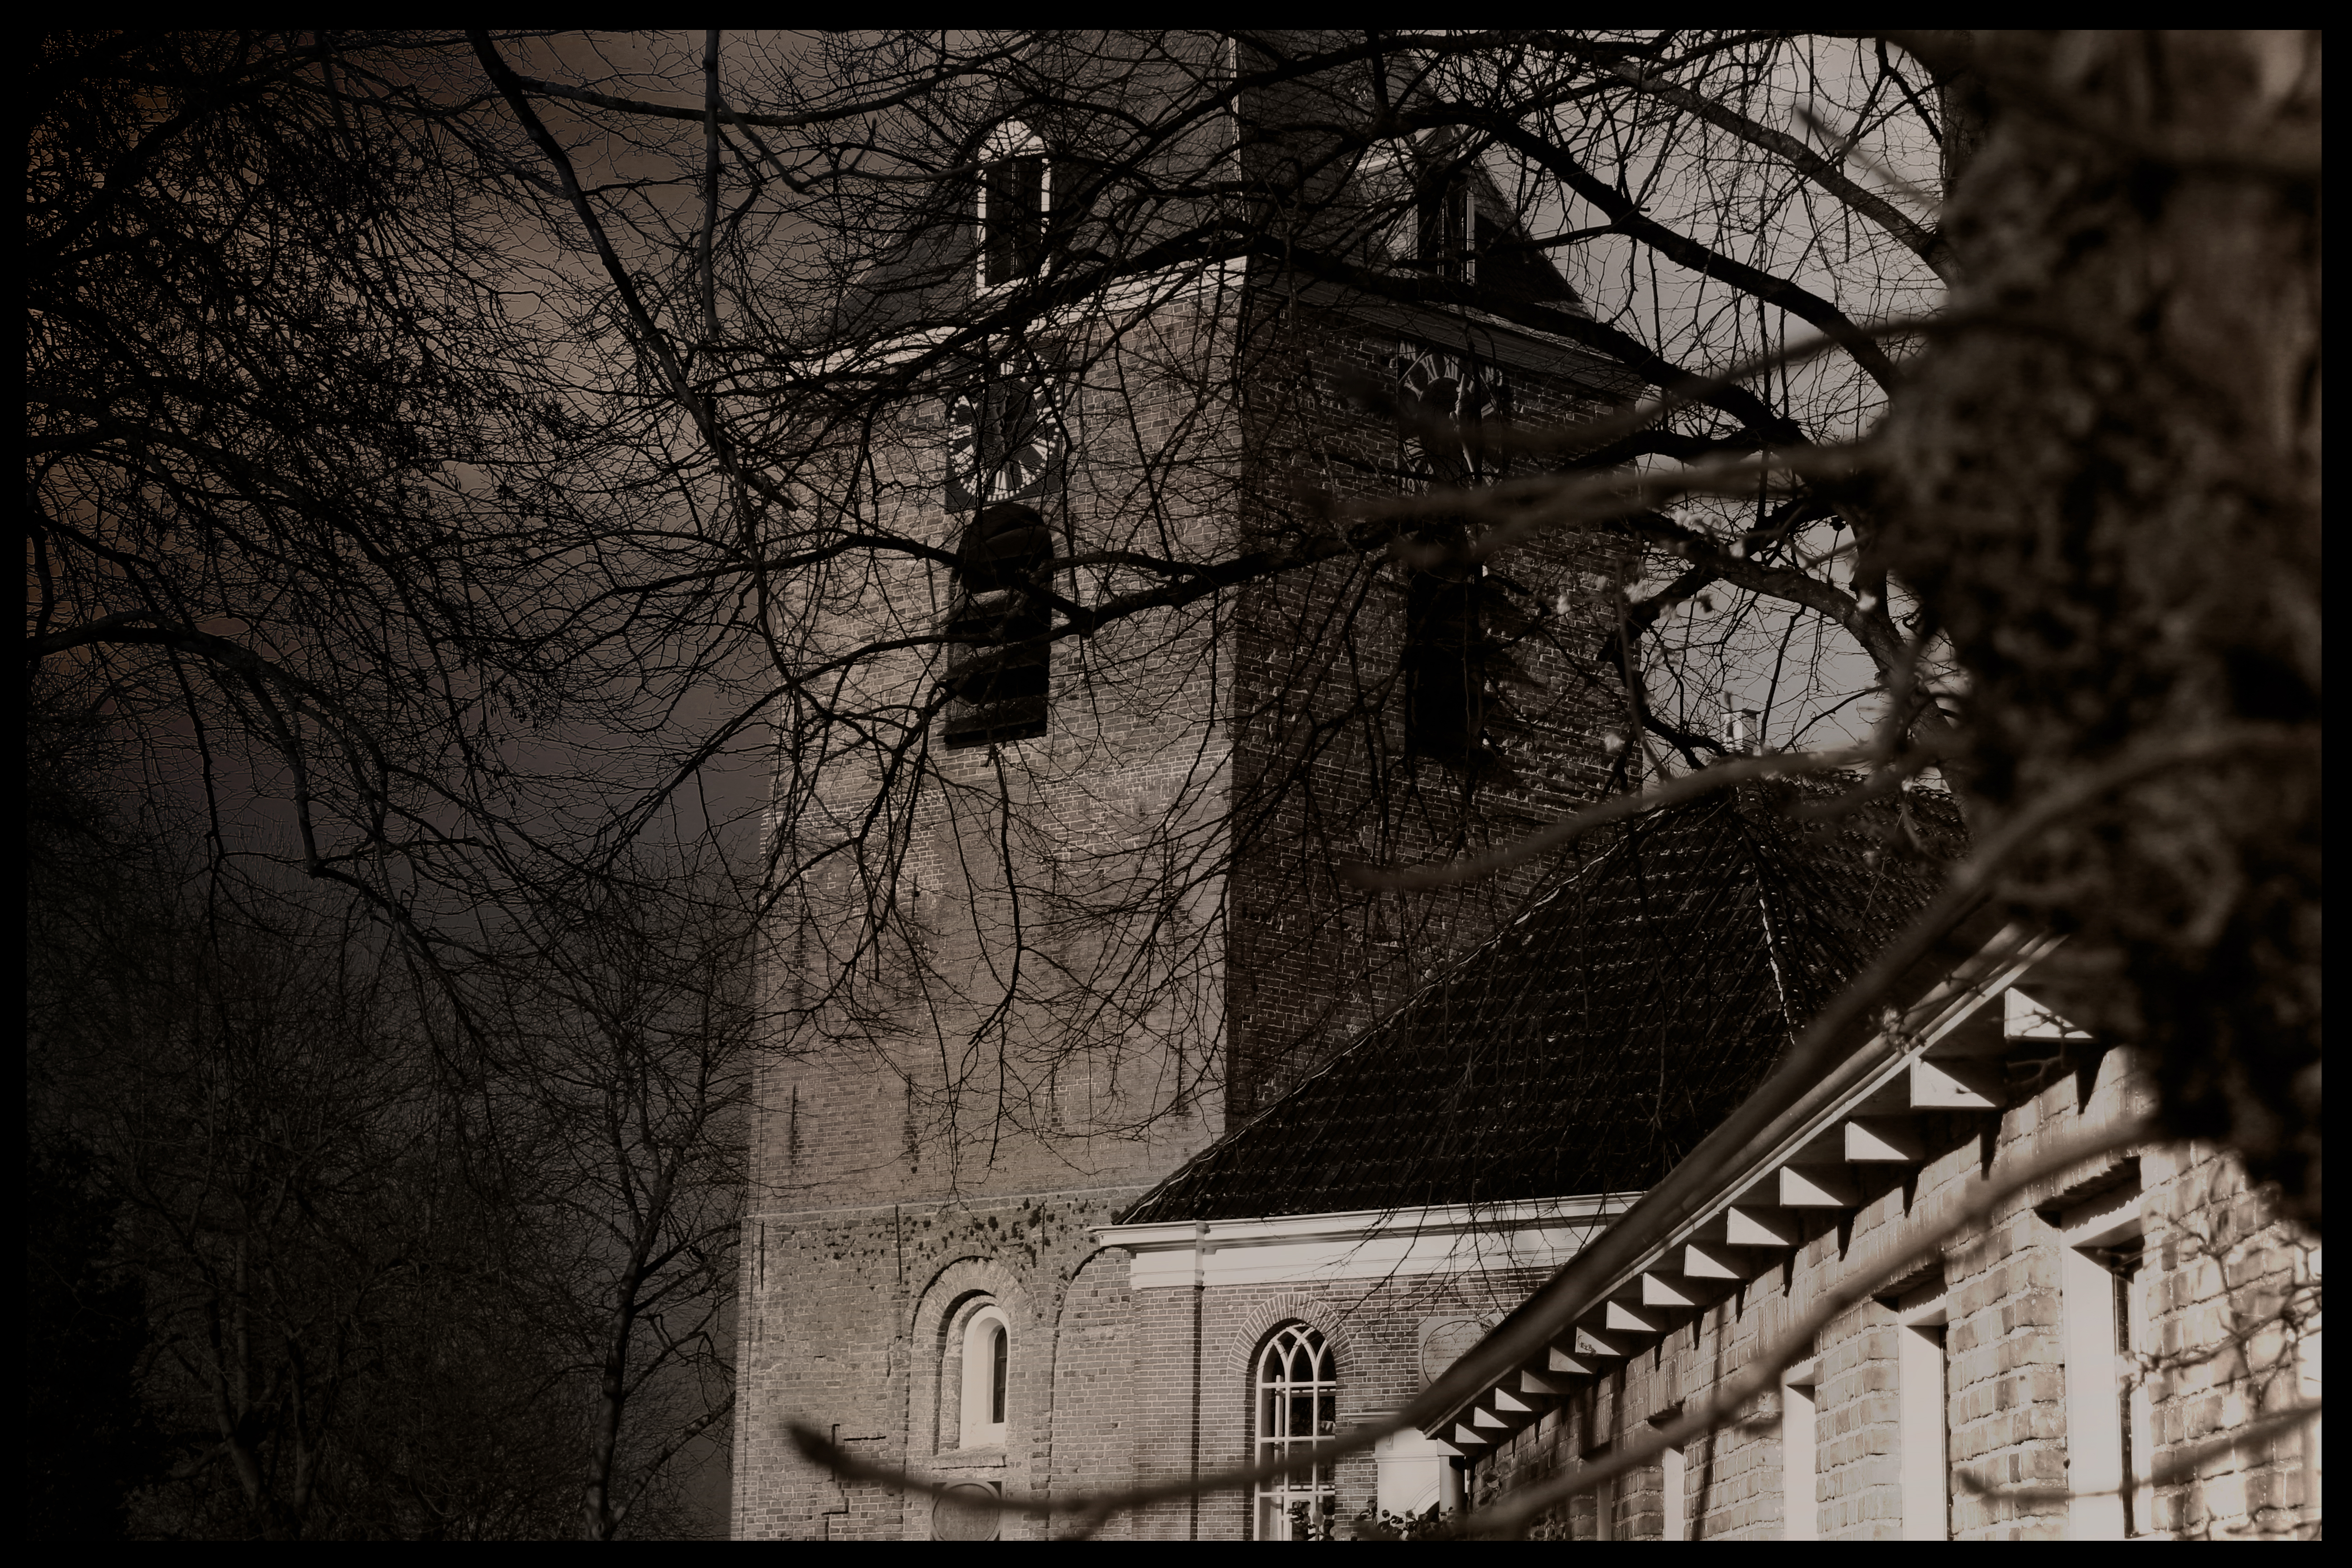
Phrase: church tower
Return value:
(1065, 904)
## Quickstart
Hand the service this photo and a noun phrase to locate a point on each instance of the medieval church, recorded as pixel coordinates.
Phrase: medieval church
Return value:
(1119, 1139)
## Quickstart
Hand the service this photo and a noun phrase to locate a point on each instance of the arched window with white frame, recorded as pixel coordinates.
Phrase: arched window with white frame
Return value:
(1015, 198)
(987, 1345)
(1298, 1406)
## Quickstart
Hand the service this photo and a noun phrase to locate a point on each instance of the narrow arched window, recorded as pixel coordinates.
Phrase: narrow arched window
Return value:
(987, 1346)
(999, 660)
(1000, 1349)
(1298, 1406)
(1015, 198)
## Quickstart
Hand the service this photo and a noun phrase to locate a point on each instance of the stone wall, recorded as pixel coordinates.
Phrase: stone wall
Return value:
(2233, 1332)
(2236, 1315)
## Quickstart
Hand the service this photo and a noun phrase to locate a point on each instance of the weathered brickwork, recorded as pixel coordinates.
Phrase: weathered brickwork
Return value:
(850, 1330)
(2236, 1318)
(936, 1128)
(2233, 1331)
(1099, 1387)
(938, 1132)
(1323, 770)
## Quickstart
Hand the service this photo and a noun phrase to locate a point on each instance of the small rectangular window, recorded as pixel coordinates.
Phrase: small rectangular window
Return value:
(1604, 1497)
(1926, 1471)
(1013, 206)
(1799, 1498)
(2134, 1339)
(1924, 1413)
(2107, 1423)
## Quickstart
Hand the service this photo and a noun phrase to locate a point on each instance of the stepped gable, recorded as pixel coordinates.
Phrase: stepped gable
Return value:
(1605, 1031)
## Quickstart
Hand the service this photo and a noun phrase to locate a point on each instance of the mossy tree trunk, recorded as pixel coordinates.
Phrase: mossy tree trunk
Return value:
(2103, 483)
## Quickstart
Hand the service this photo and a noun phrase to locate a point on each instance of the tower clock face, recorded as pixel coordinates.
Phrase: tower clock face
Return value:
(1005, 440)
(1462, 393)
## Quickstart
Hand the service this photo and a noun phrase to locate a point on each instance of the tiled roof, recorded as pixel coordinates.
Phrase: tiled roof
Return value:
(1603, 1033)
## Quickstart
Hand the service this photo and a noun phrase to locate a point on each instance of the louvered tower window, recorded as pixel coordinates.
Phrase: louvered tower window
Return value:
(1016, 193)
(999, 666)
(1449, 224)
(1462, 624)
(1445, 698)
(1298, 1406)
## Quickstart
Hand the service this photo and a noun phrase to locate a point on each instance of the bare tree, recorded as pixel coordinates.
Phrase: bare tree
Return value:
(622, 430)
(317, 1294)
(2061, 467)
(625, 1036)
(309, 536)
(1706, 191)
(400, 401)
(381, 1283)
(2125, 556)
(846, 270)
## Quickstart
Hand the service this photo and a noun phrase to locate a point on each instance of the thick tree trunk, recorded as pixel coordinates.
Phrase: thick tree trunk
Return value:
(2106, 489)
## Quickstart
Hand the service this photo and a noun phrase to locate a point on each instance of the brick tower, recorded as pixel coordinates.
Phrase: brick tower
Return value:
(1068, 911)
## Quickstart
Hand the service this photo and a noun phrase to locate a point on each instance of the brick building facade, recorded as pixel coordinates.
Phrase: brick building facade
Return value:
(1237, 1155)
(1154, 831)
(2075, 1364)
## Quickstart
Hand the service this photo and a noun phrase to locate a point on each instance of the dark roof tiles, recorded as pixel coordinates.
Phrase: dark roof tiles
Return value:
(1591, 1043)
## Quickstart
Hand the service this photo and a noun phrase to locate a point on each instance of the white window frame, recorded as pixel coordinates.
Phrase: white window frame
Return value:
(976, 1426)
(1008, 141)
(1923, 1404)
(1800, 1452)
(1274, 1388)
(2099, 1370)
(1673, 1481)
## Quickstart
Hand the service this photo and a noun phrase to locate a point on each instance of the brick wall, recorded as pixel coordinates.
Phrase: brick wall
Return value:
(1097, 1373)
(1375, 1328)
(1322, 769)
(850, 1332)
(920, 1085)
(2235, 1333)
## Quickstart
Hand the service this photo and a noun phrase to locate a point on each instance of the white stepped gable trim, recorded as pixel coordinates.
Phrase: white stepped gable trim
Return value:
(1757, 1208)
(2023, 1018)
